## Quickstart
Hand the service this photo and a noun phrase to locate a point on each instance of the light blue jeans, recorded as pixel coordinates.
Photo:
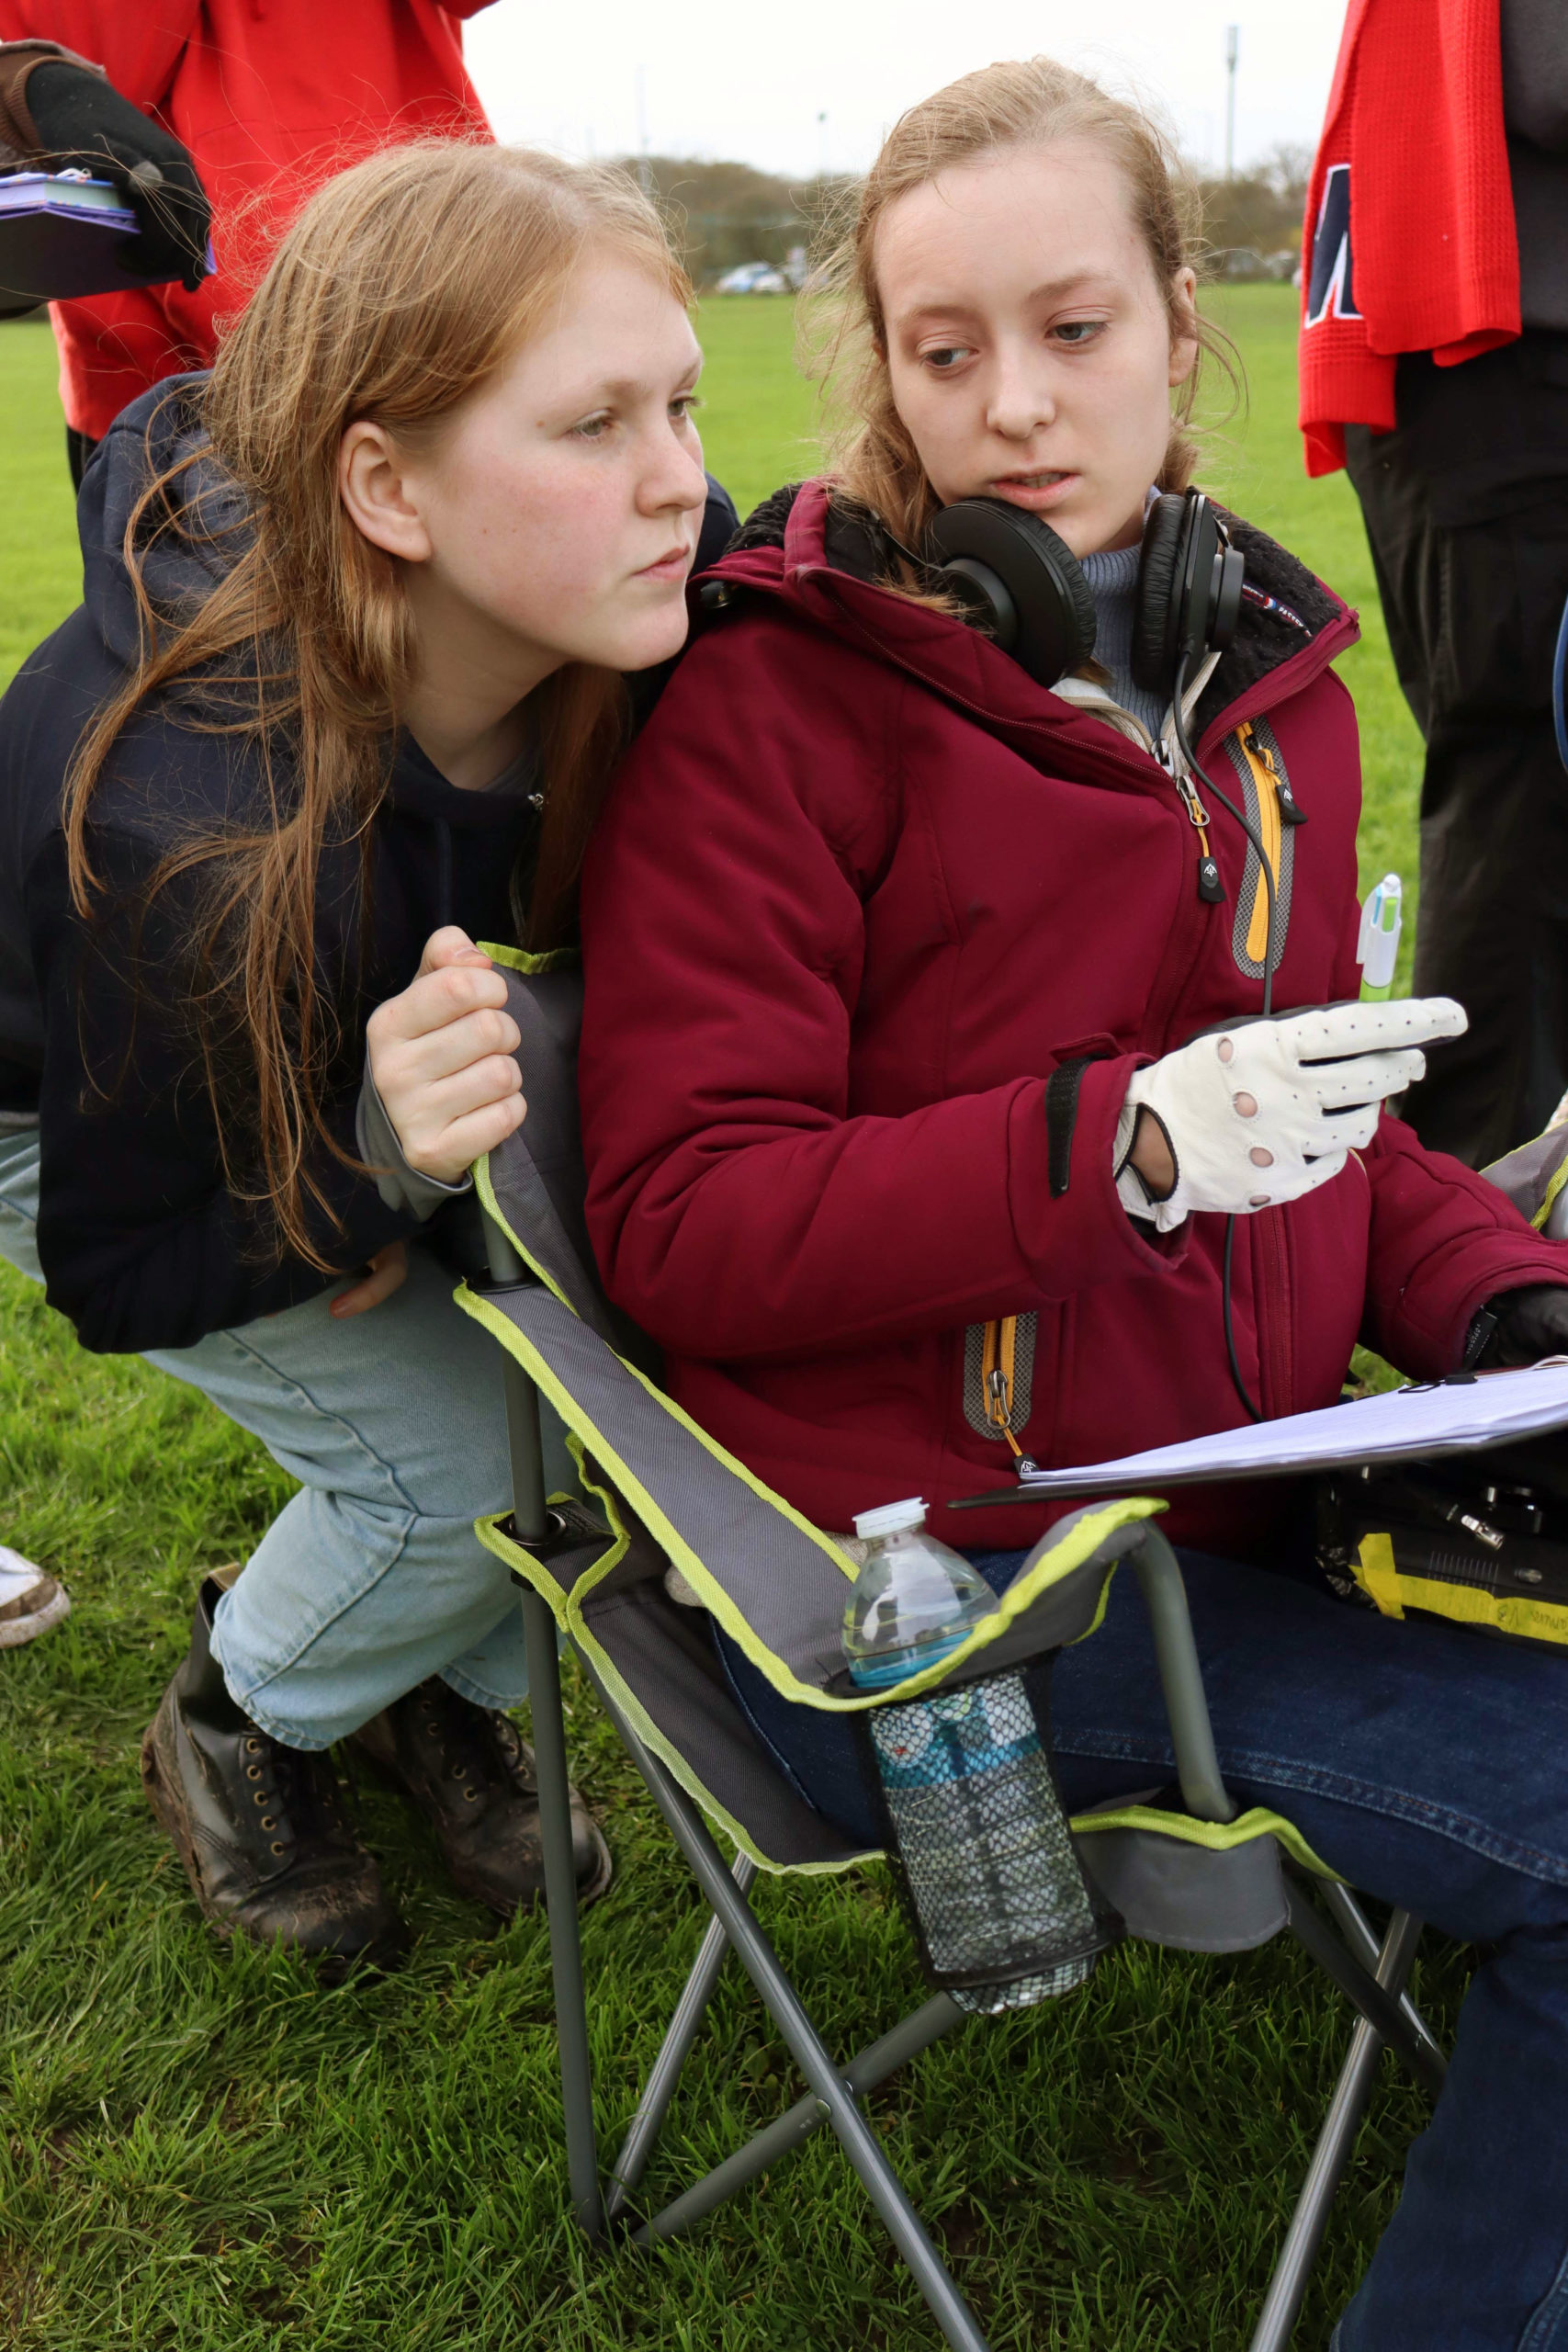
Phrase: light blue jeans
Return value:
(371, 1578)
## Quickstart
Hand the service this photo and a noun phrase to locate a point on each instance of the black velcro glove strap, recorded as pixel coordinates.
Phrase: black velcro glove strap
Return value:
(1061, 1119)
(83, 124)
(963, 1786)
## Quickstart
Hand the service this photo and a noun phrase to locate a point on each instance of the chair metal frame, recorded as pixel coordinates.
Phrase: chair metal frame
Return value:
(1372, 1974)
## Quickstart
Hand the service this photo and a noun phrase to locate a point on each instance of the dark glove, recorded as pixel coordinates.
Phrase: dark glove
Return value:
(1518, 1327)
(83, 124)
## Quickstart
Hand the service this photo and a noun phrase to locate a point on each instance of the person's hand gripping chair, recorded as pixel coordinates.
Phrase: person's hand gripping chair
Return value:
(1184, 1869)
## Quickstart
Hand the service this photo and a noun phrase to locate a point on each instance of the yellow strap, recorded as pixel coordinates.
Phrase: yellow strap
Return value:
(1461, 1604)
(1559, 1178)
(1378, 1577)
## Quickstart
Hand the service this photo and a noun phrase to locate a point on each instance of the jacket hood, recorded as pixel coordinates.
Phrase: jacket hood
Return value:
(181, 567)
(832, 560)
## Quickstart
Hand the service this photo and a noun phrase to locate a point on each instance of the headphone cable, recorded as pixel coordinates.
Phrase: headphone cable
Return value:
(1183, 744)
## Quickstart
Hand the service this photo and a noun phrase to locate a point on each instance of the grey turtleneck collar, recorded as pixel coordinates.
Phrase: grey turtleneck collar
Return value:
(1111, 579)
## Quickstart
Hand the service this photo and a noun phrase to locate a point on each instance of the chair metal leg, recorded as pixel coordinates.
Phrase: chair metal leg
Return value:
(907, 2038)
(1283, 2303)
(1359, 1933)
(652, 2108)
(779, 1998)
(561, 1900)
(530, 1522)
(1365, 1993)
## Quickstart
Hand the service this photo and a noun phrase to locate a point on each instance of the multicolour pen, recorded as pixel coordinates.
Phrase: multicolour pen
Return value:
(1378, 948)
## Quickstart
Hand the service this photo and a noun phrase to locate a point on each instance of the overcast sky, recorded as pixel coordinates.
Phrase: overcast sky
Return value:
(736, 78)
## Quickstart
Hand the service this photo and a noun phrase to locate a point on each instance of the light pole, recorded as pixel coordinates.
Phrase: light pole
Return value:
(640, 85)
(1233, 50)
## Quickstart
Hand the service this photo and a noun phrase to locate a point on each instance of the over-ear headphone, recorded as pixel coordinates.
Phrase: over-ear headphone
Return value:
(1021, 582)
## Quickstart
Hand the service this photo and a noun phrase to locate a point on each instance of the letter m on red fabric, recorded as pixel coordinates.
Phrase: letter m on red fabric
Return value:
(1330, 293)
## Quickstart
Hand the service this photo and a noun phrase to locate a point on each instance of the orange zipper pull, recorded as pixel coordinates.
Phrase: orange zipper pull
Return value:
(996, 1361)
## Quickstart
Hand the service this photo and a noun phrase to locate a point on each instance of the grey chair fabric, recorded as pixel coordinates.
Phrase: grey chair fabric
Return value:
(777, 1585)
(1199, 1879)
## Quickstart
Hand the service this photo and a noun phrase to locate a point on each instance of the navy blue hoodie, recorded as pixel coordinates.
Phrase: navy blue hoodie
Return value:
(142, 1242)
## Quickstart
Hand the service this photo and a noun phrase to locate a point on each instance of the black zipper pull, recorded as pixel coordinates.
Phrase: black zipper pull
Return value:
(1210, 886)
(1290, 809)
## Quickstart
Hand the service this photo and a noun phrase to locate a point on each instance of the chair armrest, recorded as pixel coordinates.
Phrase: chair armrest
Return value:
(1204, 1790)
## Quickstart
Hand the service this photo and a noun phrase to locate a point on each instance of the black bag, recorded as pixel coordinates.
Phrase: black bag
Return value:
(1481, 1539)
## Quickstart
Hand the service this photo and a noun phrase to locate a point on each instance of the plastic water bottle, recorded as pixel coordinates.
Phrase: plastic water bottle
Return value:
(913, 1601)
(999, 1901)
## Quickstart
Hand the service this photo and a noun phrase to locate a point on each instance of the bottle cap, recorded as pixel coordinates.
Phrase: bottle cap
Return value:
(890, 1518)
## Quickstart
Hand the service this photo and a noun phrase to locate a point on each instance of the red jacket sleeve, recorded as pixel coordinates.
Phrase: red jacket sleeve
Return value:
(138, 47)
(741, 1205)
(1443, 1242)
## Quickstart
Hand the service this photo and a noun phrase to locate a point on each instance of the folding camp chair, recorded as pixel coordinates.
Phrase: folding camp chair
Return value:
(1199, 1875)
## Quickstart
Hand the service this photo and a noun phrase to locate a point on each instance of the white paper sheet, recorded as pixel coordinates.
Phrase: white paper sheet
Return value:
(1405, 1422)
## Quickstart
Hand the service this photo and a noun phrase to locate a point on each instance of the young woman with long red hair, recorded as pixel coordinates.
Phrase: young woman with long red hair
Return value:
(341, 699)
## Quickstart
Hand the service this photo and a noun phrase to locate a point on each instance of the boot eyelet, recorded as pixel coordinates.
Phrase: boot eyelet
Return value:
(278, 1849)
(253, 1771)
(470, 1795)
(267, 1822)
(253, 1746)
(260, 1796)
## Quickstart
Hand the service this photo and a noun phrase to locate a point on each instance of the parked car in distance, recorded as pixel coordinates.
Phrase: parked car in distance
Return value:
(753, 277)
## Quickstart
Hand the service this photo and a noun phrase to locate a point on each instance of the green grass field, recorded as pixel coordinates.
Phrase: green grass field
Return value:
(201, 2149)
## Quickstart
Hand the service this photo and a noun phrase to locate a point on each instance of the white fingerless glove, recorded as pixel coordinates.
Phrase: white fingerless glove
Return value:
(1269, 1110)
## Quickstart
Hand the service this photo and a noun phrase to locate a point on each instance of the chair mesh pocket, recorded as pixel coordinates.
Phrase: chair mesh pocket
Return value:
(998, 1901)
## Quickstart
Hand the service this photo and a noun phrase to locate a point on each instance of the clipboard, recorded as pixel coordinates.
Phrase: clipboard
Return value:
(1463, 1414)
(62, 234)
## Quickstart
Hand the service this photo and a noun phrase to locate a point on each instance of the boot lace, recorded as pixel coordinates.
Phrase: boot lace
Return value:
(289, 1784)
(478, 1747)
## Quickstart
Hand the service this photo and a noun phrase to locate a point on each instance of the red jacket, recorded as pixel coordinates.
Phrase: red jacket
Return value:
(861, 888)
(271, 96)
(1409, 242)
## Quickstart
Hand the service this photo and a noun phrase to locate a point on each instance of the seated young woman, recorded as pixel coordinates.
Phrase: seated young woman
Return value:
(969, 1039)
(357, 608)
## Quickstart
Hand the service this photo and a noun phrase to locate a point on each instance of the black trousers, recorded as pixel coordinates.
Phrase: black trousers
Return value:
(79, 448)
(1466, 507)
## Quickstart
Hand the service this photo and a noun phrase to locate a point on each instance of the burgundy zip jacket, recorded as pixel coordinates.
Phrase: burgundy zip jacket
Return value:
(875, 933)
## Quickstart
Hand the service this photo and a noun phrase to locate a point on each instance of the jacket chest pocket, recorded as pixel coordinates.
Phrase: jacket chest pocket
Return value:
(998, 1378)
(1254, 752)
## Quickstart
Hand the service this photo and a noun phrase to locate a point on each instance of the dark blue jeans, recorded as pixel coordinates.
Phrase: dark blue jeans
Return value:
(1426, 1764)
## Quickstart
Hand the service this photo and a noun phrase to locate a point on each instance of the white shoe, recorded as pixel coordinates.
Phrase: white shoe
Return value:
(30, 1600)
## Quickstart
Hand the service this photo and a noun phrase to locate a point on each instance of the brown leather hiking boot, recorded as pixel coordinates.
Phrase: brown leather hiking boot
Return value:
(472, 1776)
(260, 1826)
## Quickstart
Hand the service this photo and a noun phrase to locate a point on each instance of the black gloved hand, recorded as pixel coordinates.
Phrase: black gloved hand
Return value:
(1527, 1324)
(83, 124)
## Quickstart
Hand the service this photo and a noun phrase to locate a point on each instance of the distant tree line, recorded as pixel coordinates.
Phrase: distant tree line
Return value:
(723, 214)
(1252, 224)
(726, 213)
